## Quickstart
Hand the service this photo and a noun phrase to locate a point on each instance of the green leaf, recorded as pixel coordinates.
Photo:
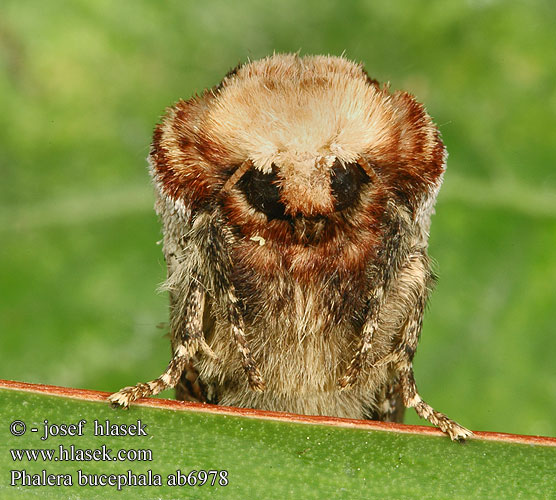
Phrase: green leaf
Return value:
(264, 457)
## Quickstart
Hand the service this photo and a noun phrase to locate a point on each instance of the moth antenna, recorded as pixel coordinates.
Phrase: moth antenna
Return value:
(237, 175)
(369, 170)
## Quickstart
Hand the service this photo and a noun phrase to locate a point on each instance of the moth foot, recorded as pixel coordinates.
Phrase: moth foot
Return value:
(458, 432)
(129, 394)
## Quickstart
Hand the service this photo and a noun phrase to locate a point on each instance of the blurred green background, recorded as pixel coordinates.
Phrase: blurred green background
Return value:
(82, 85)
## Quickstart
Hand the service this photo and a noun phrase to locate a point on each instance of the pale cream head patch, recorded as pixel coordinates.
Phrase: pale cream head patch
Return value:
(304, 111)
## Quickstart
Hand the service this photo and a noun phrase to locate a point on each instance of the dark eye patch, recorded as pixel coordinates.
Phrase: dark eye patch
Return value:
(262, 192)
(346, 181)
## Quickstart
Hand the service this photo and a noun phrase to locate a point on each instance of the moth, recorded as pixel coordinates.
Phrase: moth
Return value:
(295, 199)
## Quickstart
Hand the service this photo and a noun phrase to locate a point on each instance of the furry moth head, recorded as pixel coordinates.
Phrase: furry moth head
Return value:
(288, 138)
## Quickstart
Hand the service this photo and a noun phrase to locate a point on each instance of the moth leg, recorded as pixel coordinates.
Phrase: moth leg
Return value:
(218, 240)
(365, 345)
(403, 356)
(412, 399)
(190, 341)
(417, 277)
(382, 278)
(256, 382)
